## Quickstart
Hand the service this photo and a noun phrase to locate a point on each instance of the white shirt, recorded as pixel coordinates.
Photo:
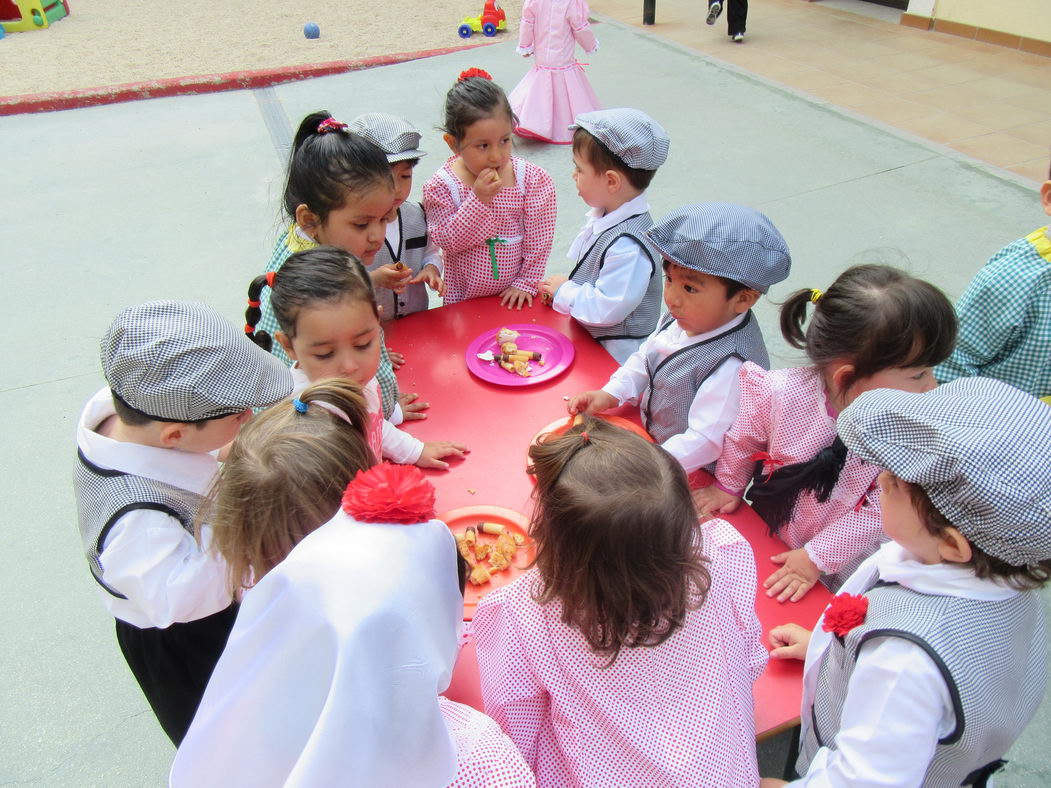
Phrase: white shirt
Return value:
(889, 737)
(431, 254)
(714, 407)
(398, 446)
(148, 556)
(621, 284)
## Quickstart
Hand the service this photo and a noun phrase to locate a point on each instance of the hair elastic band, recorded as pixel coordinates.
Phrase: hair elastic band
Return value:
(299, 405)
(584, 435)
(815, 295)
(337, 412)
(270, 279)
(330, 124)
(255, 304)
(249, 329)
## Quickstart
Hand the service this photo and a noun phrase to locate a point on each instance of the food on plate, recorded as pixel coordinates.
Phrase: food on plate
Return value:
(499, 554)
(506, 335)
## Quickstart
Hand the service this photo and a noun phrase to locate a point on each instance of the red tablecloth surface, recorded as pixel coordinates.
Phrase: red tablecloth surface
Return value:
(498, 422)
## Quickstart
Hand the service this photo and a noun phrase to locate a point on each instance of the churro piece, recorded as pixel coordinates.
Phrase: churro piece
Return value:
(508, 347)
(480, 575)
(519, 539)
(505, 546)
(491, 528)
(508, 366)
(482, 550)
(506, 335)
(470, 535)
(521, 355)
(465, 549)
(522, 368)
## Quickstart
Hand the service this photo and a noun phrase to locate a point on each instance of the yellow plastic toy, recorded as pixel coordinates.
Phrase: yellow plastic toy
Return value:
(23, 15)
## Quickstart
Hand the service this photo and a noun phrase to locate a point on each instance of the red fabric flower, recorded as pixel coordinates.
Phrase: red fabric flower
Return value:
(845, 612)
(769, 463)
(387, 493)
(474, 72)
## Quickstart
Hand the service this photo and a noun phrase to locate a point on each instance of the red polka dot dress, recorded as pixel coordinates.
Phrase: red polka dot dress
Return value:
(485, 757)
(517, 226)
(785, 412)
(677, 714)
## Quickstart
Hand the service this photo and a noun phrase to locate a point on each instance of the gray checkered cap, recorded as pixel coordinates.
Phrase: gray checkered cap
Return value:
(725, 240)
(630, 134)
(181, 361)
(979, 447)
(397, 138)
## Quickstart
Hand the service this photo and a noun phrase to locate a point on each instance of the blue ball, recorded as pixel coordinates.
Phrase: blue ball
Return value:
(311, 30)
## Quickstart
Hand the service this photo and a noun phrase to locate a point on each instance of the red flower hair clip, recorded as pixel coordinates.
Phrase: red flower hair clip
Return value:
(330, 124)
(769, 463)
(387, 493)
(845, 612)
(474, 72)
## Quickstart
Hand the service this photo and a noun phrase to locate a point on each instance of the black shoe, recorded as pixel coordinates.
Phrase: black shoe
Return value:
(714, 10)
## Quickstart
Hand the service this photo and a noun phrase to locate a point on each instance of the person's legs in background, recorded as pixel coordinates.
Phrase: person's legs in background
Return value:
(736, 16)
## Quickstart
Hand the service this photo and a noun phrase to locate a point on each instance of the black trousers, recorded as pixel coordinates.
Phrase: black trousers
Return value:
(736, 12)
(173, 665)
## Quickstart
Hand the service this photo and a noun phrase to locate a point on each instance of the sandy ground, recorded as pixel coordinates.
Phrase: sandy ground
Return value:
(111, 42)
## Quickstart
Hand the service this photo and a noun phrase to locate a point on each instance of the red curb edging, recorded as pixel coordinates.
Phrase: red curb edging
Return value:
(206, 83)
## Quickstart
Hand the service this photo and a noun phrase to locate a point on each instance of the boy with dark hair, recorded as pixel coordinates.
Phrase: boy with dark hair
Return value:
(932, 661)
(718, 259)
(614, 289)
(182, 381)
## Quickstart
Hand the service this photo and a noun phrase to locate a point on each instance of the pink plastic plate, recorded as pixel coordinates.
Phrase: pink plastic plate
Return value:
(554, 346)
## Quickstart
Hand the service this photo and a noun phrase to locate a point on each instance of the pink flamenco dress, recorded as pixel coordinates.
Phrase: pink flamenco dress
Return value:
(556, 89)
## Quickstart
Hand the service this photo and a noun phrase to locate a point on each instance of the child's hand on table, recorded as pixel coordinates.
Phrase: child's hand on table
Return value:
(591, 402)
(549, 287)
(396, 358)
(796, 576)
(433, 451)
(790, 641)
(430, 276)
(711, 501)
(486, 184)
(513, 298)
(411, 406)
(390, 277)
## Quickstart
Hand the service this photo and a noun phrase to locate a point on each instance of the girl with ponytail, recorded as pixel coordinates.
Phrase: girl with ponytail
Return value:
(875, 327)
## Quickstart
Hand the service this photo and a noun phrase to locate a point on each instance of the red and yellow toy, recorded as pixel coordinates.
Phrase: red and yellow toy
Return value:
(492, 19)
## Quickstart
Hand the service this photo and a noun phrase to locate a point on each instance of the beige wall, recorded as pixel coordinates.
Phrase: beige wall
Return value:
(1027, 18)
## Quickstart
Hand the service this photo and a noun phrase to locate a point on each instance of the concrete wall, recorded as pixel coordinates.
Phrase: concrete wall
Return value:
(1025, 18)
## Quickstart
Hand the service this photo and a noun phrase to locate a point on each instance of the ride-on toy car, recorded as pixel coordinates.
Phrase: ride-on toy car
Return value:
(492, 19)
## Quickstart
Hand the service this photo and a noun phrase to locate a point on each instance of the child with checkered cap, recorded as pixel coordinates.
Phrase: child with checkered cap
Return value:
(181, 382)
(1005, 315)
(932, 662)
(614, 289)
(718, 259)
(407, 242)
(875, 327)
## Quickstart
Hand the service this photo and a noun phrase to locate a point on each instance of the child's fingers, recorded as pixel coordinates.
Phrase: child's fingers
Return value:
(801, 591)
(780, 558)
(790, 589)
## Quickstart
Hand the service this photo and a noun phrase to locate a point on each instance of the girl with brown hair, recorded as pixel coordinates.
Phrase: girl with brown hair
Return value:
(635, 628)
(875, 327)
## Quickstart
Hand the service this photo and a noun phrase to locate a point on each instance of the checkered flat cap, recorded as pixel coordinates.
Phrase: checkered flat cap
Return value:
(397, 138)
(725, 240)
(631, 135)
(979, 447)
(181, 361)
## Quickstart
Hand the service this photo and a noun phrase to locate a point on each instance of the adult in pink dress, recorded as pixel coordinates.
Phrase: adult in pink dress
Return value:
(556, 89)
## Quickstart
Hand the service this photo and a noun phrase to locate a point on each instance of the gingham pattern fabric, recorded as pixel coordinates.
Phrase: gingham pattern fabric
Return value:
(104, 496)
(1005, 319)
(485, 757)
(182, 361)
(980, 450)
(397, 138)
(785, 413)
(677, 714)
(411, 248)
(643, 320)
(725, 240)
(631, 135)
(674, 381)
(289, 243)
(992, 659)
(522, 215)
